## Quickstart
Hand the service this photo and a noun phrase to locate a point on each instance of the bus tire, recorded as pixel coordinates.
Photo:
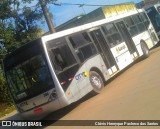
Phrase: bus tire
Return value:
(145, 50)
(96, 82)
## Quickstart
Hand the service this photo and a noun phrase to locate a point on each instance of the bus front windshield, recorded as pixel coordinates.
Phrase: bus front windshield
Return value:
(29, 77)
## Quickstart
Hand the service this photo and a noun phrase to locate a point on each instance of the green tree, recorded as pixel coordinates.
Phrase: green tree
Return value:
(18, 25)
(25, 21)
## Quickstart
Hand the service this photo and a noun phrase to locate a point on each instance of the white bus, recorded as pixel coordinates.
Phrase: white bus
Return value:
(58, 69)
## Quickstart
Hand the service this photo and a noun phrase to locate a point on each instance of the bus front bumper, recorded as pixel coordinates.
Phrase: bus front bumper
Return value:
(42, 111)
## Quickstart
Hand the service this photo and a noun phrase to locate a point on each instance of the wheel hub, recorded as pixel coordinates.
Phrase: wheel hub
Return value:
(96, 81)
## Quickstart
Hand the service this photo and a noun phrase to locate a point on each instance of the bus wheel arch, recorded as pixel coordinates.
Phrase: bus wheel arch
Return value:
(145, 49)
(97, 80)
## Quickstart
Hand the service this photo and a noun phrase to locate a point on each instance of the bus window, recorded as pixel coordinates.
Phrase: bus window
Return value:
(79, 40)
(139, 23)
(136, 19)
(112, 34)
(131, 26)
(83, 46)
(62, 57)
(59, 59)
(145, 19)
(157, 17)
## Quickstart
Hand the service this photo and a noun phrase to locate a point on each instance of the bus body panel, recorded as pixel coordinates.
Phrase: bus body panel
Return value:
(140, 52)
(80, 85)
(122, 55)
(124, 60)
(36, 101)
(143, 37)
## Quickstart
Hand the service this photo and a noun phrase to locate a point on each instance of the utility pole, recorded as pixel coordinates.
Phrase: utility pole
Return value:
(47, 16)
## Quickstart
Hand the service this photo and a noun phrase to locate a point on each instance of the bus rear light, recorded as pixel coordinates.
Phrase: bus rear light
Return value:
(38, 110)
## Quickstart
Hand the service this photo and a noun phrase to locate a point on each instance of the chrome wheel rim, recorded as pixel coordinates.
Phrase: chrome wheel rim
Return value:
(96, 82)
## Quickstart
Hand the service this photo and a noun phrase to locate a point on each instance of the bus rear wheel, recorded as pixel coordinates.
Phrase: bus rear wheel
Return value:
(145, 50)
(96, 82)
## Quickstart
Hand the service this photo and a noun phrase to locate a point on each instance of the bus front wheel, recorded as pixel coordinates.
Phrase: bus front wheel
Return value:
(96, 82)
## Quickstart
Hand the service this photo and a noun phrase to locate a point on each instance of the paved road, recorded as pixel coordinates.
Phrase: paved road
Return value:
(133, 95)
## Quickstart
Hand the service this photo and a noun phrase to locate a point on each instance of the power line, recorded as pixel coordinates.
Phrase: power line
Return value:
(59, 4)
(81, 5)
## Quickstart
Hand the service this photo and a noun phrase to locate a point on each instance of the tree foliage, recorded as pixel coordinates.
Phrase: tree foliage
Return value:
(18, 25)
(4, 93)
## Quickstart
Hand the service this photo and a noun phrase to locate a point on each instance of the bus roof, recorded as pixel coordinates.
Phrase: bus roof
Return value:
(88, 26)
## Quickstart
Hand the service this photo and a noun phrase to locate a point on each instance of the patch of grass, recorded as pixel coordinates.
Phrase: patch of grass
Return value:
(6, 109)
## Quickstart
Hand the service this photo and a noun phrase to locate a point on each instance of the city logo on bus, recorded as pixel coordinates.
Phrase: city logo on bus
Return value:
(81, 75)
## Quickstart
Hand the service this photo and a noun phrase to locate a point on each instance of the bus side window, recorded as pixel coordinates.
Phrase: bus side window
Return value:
(112, 34)
(157, 17)
(139, 23)
(145, 19)
(131, 26)
(60, 54)
(84, 48)
(59, 59)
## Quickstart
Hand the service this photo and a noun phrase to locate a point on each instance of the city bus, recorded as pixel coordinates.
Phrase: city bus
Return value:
(58, 69)
(153, 13)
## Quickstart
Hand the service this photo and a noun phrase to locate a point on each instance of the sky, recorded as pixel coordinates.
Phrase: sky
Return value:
(64, 13)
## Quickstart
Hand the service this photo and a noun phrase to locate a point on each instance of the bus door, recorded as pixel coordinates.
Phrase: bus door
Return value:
(104, 50)
(128, 39)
